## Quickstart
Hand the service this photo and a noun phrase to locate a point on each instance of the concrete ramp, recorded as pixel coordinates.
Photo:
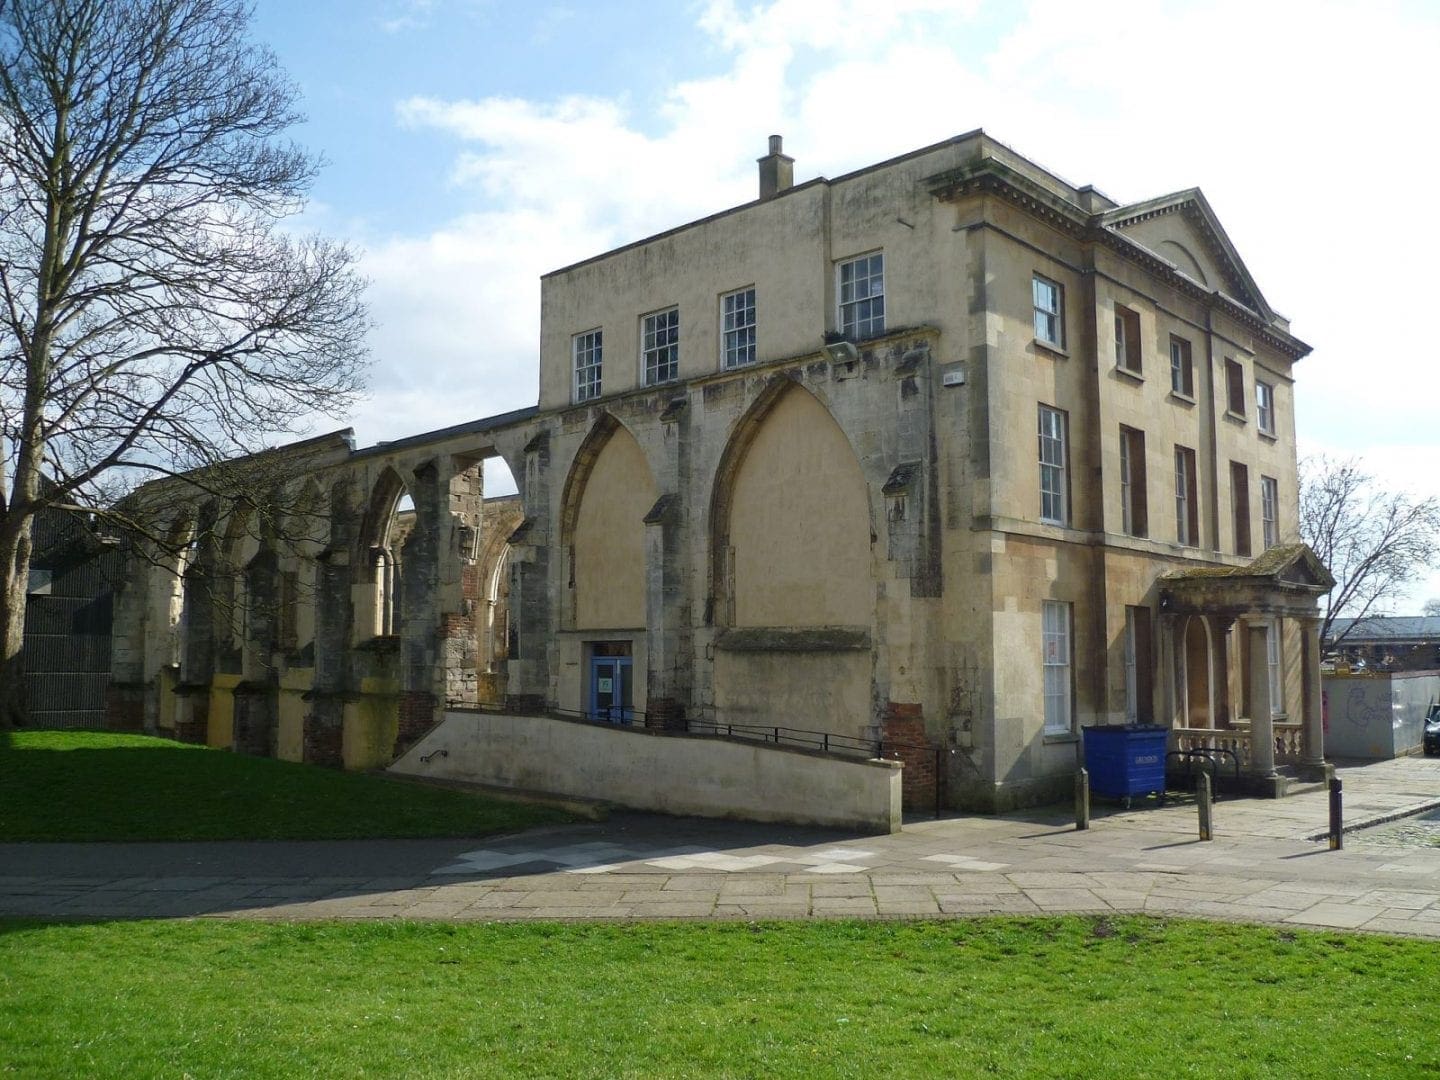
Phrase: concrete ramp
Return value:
(696, 775)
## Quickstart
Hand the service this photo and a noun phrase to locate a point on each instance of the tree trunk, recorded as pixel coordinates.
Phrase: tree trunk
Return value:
(14, 589)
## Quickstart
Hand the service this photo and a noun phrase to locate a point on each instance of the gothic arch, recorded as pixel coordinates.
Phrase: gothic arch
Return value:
(580, 469)
(609, 490)
(802, 411)
(378, 559)
(376, 525)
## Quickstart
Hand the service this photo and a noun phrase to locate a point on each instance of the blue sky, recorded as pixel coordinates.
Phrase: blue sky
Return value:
(475, 144)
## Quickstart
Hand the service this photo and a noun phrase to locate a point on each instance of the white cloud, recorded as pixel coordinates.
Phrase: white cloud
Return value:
(406, 15)
(1299, 119)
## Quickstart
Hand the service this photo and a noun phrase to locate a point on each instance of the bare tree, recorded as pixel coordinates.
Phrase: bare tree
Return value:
(1432, 607)
(1374, 541)
(155, 316)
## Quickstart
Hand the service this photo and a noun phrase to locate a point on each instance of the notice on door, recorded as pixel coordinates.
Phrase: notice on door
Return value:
(602, 686)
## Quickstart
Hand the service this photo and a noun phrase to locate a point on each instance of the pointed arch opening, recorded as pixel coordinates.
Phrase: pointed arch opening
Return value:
(389, 520)
(790, 520)
(793, 592)
(609, 491)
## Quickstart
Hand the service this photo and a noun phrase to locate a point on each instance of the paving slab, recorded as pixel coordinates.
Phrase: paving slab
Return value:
(1264, 865)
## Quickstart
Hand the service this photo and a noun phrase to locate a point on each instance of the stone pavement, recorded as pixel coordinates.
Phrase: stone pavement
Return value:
(1264, 865)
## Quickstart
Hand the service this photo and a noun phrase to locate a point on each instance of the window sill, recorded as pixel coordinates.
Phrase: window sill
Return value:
(1268, 436)
(1052, 347)
(1052, 738)
(1231, 414)
(1184, 399)
(1132, 375)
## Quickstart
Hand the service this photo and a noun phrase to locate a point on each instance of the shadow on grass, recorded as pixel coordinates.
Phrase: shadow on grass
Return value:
(68, 786)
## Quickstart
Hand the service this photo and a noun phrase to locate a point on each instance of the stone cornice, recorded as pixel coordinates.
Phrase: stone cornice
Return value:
(991, 177)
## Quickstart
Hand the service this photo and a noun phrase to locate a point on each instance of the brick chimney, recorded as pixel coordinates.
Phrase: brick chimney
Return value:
(777, 172)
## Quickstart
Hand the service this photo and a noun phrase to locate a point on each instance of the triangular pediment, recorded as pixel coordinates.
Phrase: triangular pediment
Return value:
(1287, 564)
(1183, 230)
(1305, 569)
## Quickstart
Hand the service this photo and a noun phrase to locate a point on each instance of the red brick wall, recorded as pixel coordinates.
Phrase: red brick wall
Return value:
(125, 708)
(417, 716)
(905, 723)
(323, 740)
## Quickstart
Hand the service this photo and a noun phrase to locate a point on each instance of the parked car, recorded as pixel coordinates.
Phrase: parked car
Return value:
(1432, 730)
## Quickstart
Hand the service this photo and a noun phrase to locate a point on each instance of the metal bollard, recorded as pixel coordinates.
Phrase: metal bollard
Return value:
(1202, 802)
(1082, 800)
(1337, 824)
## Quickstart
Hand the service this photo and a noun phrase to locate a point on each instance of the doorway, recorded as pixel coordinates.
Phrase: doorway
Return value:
(612, 688)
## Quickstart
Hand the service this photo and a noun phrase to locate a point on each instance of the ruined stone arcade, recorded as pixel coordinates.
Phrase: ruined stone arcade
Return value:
(783, 473)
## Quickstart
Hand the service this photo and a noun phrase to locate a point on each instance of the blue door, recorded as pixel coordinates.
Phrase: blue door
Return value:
(611, 689)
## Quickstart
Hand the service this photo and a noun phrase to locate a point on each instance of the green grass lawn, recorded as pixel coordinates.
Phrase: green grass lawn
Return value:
(82, 785)
(1072, 997)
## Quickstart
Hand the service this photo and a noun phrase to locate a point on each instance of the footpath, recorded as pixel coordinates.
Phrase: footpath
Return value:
(1268, 863)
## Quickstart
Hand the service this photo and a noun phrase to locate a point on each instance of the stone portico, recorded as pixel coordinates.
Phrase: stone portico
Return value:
(1222, 627)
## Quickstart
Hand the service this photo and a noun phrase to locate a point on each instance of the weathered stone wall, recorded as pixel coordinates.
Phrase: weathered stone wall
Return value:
(634, 767)
(840, 537)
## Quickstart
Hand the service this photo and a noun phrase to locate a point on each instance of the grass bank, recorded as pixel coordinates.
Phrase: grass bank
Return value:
(74, 785)
(1070, 997)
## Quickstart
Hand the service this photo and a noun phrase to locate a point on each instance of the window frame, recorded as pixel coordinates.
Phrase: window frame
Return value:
(1265, 407)
(1059, 470)
(1240, 508)
(872, 324)
(1234, 387)
(1269, 511)
(1139, 660)
(592, 343)
(1057, 667)
(1055, 316)
(732, 332)
(1182, 368)
(1130, 650)
(1134, 489)
(1187, 498)
(1128, 355)
(652, 347)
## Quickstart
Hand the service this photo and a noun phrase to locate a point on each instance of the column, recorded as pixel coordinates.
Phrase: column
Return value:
(669, 650)
(1262, 729)
(322, 725)
(1222, 710)
(665, 683)
(1313, 754)
(533, 619)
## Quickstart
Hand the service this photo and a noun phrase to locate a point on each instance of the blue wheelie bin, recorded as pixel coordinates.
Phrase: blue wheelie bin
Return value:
(1125, 760)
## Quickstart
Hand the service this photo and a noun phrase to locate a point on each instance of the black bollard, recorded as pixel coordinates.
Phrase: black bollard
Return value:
(1202, 803)
(1082, 800)
(1337, 826)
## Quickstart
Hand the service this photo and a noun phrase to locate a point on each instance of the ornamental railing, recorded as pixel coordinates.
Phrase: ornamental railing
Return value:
(1289, 741)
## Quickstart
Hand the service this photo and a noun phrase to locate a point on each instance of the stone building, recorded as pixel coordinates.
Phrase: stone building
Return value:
(944, 451)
